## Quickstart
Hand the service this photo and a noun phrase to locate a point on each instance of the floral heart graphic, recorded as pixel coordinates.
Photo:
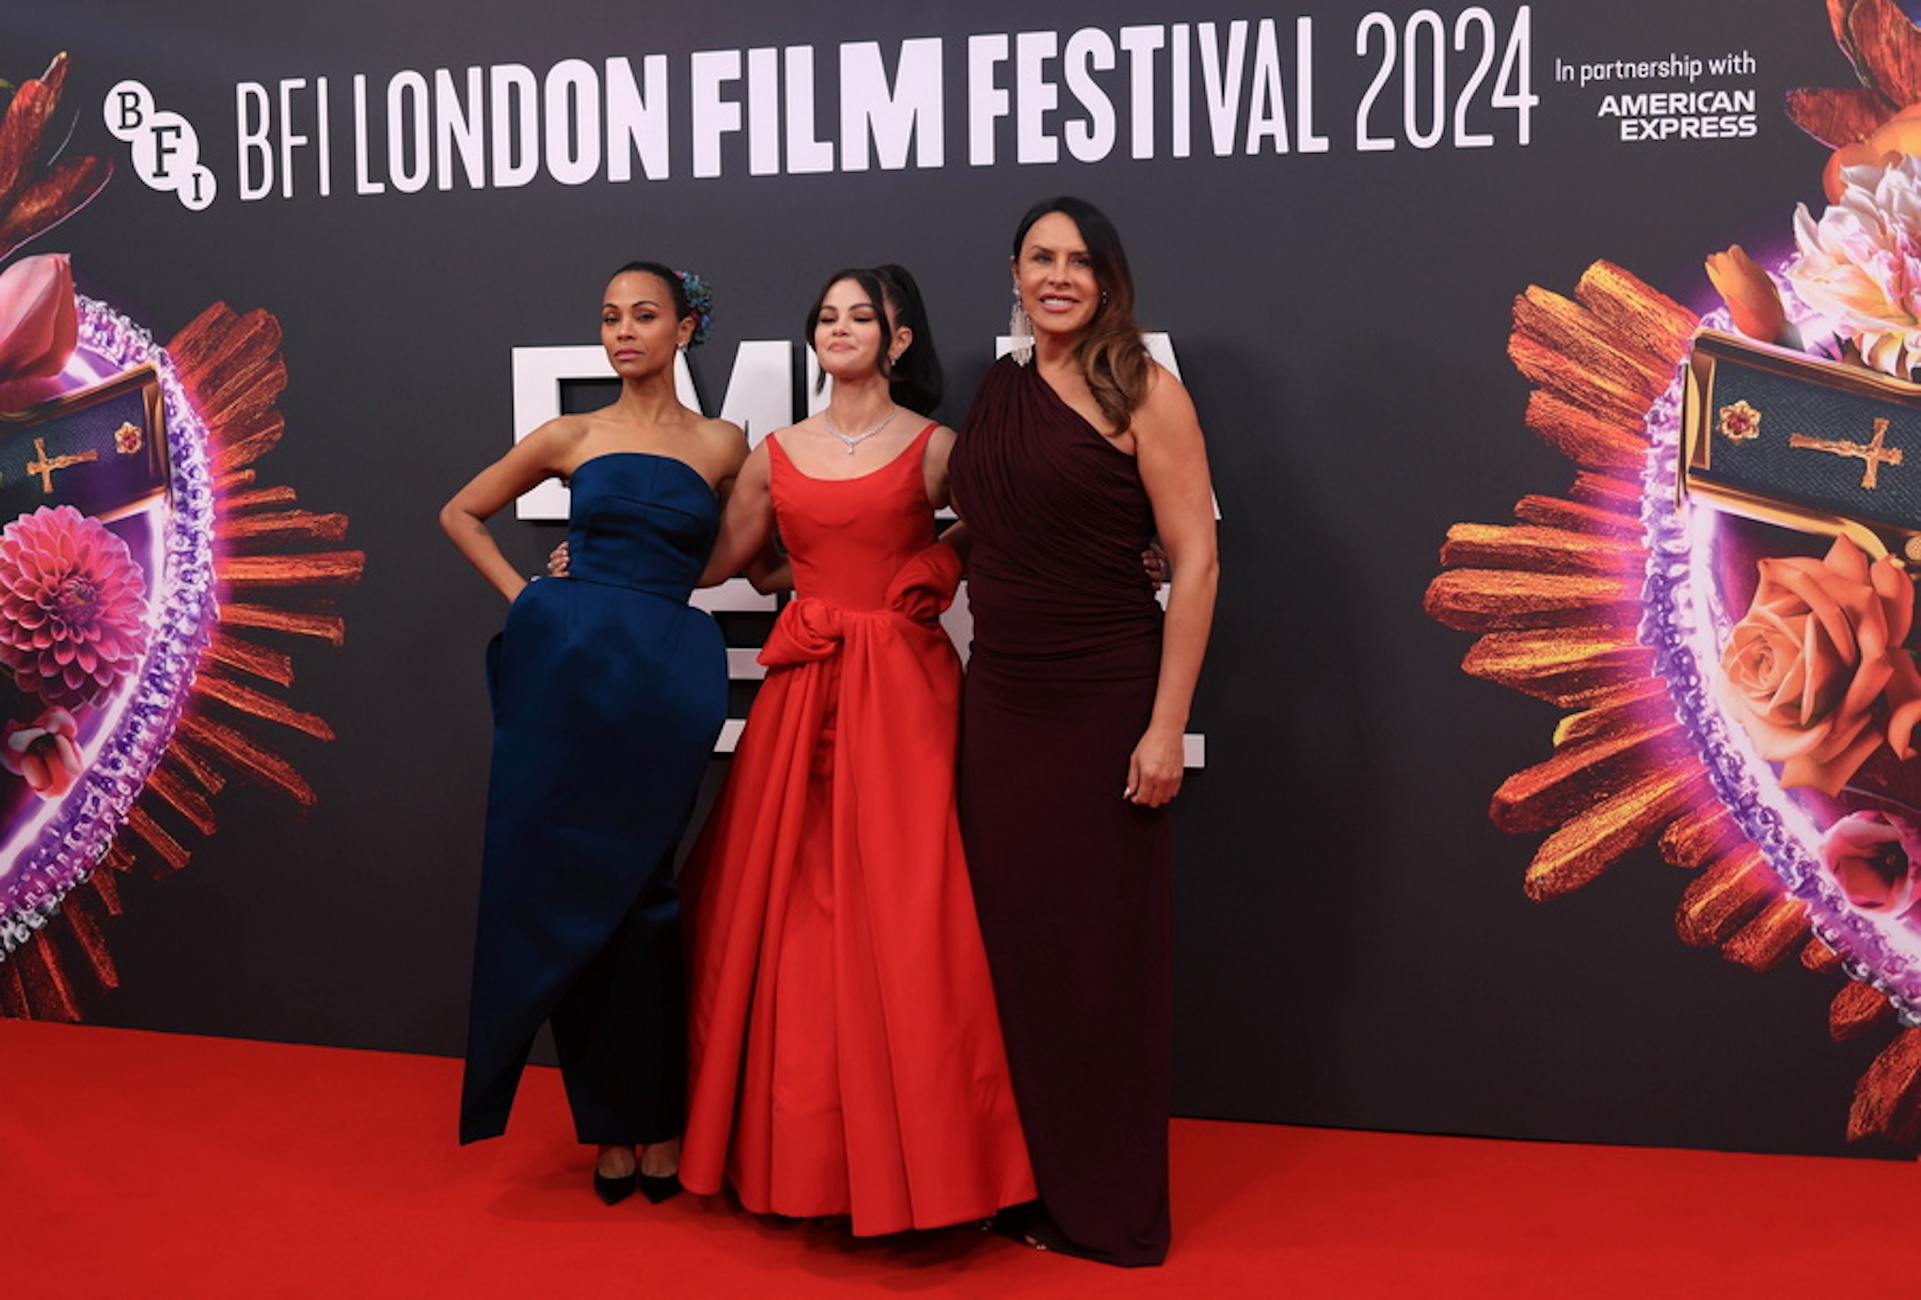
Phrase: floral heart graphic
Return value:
(150, 584)
(1738, 663)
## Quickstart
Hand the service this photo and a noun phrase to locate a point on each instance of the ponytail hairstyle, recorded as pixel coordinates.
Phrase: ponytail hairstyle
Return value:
(916, 377)
(914, 380)
(1112, 355)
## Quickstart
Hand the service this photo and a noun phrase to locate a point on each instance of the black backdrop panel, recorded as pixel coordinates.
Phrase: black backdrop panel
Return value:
(1355, 947)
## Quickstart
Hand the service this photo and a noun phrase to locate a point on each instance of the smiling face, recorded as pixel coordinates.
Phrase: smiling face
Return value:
(637, 324)
(850, 334)
(1054, 273)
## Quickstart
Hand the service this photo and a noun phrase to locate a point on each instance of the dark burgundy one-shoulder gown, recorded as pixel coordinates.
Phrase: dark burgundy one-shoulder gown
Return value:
(1073, 883)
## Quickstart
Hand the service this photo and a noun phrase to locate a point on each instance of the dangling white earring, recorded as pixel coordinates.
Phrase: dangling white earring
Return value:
(1022, 329)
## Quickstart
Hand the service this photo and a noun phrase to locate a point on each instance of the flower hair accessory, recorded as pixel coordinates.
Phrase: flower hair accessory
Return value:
(700, 299)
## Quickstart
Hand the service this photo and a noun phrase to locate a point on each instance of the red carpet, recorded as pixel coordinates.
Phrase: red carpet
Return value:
(139, 1164)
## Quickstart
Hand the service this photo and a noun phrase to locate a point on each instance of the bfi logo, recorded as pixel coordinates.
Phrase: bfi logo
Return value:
(760, 399)
(164, 145)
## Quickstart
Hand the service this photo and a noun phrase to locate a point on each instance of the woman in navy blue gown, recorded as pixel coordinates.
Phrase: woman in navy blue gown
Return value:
(608, 692)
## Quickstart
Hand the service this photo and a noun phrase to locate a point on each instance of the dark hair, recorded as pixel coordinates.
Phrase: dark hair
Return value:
(915, 380)
(1112, 354)
(691, 296)
(668, 276)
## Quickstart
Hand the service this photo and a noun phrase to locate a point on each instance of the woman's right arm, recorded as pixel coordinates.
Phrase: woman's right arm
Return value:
(536, 457)
(770, 571)
(746, 520)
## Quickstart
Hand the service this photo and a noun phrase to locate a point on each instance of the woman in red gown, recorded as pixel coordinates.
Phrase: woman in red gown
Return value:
(845, 1057)
(1072, 457)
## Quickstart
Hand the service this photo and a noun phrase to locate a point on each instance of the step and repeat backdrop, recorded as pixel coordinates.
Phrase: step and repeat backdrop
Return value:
(1553, 772)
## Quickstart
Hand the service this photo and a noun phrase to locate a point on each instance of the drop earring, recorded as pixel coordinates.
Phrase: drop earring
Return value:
(1022, 329)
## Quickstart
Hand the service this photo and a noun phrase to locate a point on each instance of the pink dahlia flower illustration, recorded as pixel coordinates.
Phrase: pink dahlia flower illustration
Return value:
(72, 607)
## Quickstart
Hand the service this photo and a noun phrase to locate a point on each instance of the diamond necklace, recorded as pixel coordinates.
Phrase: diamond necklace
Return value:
(851, 441)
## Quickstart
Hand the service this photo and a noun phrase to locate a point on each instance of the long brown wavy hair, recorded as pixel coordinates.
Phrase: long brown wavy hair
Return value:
(1111, 353)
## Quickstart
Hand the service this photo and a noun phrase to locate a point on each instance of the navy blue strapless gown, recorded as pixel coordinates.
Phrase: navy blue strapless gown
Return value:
(608, 692)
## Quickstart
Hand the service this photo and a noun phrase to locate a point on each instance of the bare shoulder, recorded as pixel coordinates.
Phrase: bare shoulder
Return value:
(722, 431)
(1167, 412)
(785, 432)
(557, 442)
(727, 440)
(1166, 394)
(934, 459)
(754, 463)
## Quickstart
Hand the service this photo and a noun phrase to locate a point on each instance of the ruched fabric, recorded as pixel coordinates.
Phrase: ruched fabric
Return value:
(1074, 884)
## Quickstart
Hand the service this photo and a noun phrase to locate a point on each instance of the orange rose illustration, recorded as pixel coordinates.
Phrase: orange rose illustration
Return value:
(1816, 673)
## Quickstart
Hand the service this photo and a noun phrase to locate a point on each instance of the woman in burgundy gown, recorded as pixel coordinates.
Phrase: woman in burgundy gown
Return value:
(845, 1054)
(1072, 458)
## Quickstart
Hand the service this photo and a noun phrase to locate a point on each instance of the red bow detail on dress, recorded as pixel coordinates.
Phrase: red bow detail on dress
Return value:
(809, 629)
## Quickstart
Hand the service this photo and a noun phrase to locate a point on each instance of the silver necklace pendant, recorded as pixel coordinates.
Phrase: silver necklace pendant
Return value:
(851, 441)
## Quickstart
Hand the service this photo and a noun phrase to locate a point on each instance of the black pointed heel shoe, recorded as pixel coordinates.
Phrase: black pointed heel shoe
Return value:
(615, 1190)
(659, 1187)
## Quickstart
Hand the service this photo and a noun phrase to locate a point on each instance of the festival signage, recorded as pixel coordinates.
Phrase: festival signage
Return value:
(325, 264)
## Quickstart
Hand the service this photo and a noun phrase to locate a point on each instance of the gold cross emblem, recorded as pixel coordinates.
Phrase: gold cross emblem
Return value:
(1875, 453)
(46, 465)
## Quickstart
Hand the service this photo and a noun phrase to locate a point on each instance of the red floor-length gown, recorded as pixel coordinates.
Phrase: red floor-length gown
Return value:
(845, 1054)
(1074, 884)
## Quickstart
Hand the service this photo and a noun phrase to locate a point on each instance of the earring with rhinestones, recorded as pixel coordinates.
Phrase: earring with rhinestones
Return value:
(1022, 329)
